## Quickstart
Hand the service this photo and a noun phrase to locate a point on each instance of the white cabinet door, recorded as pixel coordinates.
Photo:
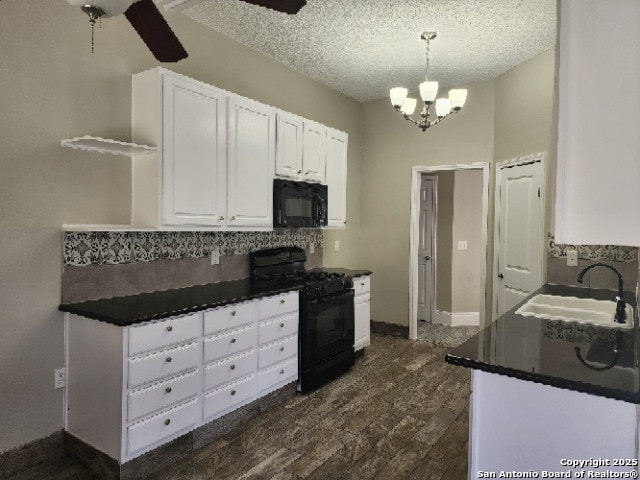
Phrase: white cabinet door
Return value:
(252, 135)
(336, 171)
(597, 194)
(314, 152)
(193, 153)
(289, 146)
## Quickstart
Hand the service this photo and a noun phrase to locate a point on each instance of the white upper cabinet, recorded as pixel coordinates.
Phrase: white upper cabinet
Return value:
(215, 164)
(336, 171)
(289, 146)
(194, 153)
(252, 151)
(314, 152)
(598, 167)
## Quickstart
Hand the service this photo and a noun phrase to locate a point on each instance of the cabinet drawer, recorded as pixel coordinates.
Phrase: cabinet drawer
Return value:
(278, 351)
(156, 335)
(230, 316)
(362, 285)
(277, 328)
(159, 396)
(166, 424)
(164, 363)
(229, 343)
(218, 401)
(278, 305)
(276, 376)
(229, 369)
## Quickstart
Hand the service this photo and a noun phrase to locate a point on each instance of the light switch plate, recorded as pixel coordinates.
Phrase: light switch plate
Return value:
(572, 258)
(336, 245)
(60, 377)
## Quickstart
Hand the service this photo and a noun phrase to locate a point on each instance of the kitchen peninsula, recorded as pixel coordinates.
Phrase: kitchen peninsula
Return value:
(544, 391)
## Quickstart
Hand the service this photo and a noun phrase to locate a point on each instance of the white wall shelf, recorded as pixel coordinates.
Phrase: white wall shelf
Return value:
(105, 145)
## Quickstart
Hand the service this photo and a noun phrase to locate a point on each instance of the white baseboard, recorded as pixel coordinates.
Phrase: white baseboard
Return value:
(456, 319)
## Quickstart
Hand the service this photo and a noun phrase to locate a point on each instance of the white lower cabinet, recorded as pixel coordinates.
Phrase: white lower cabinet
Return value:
(131, 389)
(362, 311)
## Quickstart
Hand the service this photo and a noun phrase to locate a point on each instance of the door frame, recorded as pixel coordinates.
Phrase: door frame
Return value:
(533, 158)
(416, 174)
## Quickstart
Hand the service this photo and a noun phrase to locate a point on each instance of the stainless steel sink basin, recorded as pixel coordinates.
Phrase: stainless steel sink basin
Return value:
(573, 309)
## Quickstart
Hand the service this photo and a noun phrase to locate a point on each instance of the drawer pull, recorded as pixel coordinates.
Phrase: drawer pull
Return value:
(169, 359)
(282, 301)
(282, 349)
(233, 367)
(233, 340)
(233, 392)
(170, 328)
(281, 324)
(167, 421)
(281, 371)
(233, 313)
(168, 389)
(362, 284)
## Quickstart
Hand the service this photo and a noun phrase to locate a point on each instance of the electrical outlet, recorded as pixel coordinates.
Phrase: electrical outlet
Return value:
(60, 377)
(572, 258)
(336, 246)
(215, 257)
(462, 245)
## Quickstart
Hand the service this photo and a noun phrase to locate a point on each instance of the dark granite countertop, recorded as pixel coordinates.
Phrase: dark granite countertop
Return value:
(567, 355)
(123, 311)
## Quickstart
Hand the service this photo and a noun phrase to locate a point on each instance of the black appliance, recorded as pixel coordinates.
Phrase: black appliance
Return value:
(326, 328)
(299, 204)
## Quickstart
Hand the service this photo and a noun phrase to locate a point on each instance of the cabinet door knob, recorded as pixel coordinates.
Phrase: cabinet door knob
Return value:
(282, 349)
(281, 371)
(169, 359)
(500, 275)
(233, 367)
(299, 171)
(233, 218)
(221, 218)
(170, 328)
(281, 325)
(233, 392)
(282, 301)
(233, 340)
(168, 389)
(167, 421)
(233, 313)
(362, 284)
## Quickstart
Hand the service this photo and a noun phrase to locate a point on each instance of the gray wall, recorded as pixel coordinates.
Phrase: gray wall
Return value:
(53, 88)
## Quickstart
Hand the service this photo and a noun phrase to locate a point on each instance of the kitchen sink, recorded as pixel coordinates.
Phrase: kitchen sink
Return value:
(600, 313)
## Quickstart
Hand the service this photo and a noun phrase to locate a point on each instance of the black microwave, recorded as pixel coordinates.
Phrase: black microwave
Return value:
(299, 204)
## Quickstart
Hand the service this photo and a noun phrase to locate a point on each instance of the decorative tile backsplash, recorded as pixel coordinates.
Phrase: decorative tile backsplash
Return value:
(113, 248)
(614, 253)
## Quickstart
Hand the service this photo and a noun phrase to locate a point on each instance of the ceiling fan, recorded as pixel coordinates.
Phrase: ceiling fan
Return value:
(147, 20)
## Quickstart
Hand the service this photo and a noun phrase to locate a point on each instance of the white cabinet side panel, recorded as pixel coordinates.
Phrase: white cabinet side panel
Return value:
(94, 383)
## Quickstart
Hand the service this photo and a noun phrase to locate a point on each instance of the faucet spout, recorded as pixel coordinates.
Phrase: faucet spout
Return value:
(620, 303)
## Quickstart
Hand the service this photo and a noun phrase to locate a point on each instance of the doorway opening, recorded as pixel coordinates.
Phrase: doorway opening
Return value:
(441, 250)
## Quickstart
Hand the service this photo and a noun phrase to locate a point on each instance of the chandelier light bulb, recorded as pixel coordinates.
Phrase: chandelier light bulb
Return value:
(409, 106)
(428, 91)
(443, 107)
(398, 96)
(457, 96)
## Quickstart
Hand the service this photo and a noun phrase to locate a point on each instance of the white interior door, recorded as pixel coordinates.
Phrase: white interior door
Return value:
(425, 249)
(519, 232)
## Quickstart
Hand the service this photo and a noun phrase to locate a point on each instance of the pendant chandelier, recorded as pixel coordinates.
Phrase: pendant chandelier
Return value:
(428, 92)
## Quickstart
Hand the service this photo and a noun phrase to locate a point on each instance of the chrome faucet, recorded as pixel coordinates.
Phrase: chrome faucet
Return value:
(621, 314)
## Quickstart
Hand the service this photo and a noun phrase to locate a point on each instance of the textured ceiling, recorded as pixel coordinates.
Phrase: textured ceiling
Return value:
(364, 47)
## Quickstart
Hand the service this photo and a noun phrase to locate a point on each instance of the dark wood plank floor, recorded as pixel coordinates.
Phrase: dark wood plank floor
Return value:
(400, 413)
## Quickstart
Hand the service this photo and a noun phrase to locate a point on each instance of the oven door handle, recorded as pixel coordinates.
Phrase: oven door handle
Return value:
(337, 296)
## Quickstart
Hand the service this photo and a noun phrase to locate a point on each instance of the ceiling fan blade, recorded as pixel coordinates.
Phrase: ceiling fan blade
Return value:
(287, 6)
(147, 20)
